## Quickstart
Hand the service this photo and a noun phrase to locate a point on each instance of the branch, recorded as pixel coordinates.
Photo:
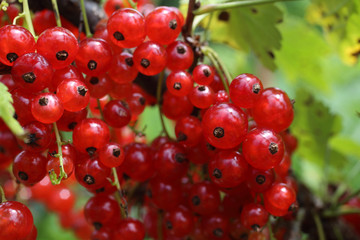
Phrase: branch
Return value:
(86, 23)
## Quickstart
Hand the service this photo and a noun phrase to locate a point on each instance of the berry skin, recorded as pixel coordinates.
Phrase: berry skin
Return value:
(278, 199)
(165, 195)
(162, 25)
(150, 58)
(112, 155)
(94, 56)
(259, 180)
(137, 103)
(221, 97)
(178, 222)
(22, 104)
(180, 56)
(254, 216)
(282, 169)
(37, 138)
(111, 6)
(122, 68)
(245, 90)
(130, 229)
(69, 72)
(16, 220)
(32, 72)
(73, 94)
(202, 97)
(228, 169)
(53, 164)
(215, 227)
(273, 110)
(117, 114)
(90, 135)
(58, 45)
(179, 83)
(204, 198)
(126, 28)
(15, 41)
(224, 125)
(188, 131)
(69, 120)
(174, 107)
(203, 74)
(29, 168)
(263, 149)
(7, 80)
(100, 86)
(47, 108)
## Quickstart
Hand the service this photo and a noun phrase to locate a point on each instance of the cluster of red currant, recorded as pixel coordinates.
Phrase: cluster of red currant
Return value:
(227, 170)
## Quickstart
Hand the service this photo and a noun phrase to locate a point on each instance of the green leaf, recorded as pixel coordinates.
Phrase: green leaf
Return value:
(7, 111)
(345, 145)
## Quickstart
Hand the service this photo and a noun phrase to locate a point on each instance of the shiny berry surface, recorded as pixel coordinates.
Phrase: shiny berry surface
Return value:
(122, 69)
(69, 120)
(100, 86)
(91, 173)
(37, 137)
(47, 108)
(150, 58)
(259, 180)
(117, 114)
(179, 83)
(278, 199)
(112, 155)
(204, 198)
(130, 229)
(245, 90)
(203, 74)
(202, 97)
(73, 94)
(180, 56)
(254, 216)
(188, 131)
(174, 107)
(100, 210)
(178, 222)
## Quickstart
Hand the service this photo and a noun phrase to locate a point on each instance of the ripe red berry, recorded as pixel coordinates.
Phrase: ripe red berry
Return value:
(254, 216)
(273, 110)
(37, 137)
(150, 58)
(221, 97)
(260, 180)
(122, 68)
(188, 131)
(117, 113)
(174, 107)
(282, 169)
(69, 120)
(263, 149)
(204, 198)
(136, 102)
(112, 155)
(245, 90)
(58, 45)
(202, 97)
(126, 28)
(130, 229)
(100, 86)
(225, 125)
(215, 226)
(180, 56)
(165, 195)
(278, 199)
(73, 94)
(47, 108)
(178, 222)
(69, 72)
(179, 83)
(203, 74)
(15, 41)
(22, 104)
(53, 164)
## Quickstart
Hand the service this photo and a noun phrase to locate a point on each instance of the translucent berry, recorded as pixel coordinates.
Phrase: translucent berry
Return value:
(188, 131)
(245, 90)
(259, 180)
(112, 155)
(180, 56)
(150, 58)
(73, 94)
(179, 83)
(254, 216)
(203, 74)
(202, 97)
(47, 108)
(278, 199)
(204, 198)
(117, 114)
(122, 68)
(29, 168)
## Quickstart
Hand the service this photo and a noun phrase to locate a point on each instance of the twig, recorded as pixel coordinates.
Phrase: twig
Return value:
(86, 23)
(56, 10)
(186, 30)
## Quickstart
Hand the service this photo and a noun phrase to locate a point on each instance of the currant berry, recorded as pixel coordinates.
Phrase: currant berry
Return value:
(90, 135)
(203, 74)
(165, 195)
(16, 220)
(112, 155)
(73, 94)
(122, 68)
(228, 169)
(47, 108)
(130, 229)
(215, 226)
(121, 91)
(32, 72)
(174, 107)
(117, 113)
(245, 90)
(100, 86)
(61, 200)
(94, 56)
(282, 169)
(126, 28)
(92, 174)
(179, 83)
(69, 120)
(37, 137)
(263, 149)
(58, 45)
(136, 102)
(15, 41)
(180, 56)
(260, 180)
(224, 125)
(188, 131)
(204, 198)
(53, 165)
(162, 25)
(178, 222)
(111, 6)
(221, 97)
(278, 199)
(69, 72)
(150, 58)
(29, 168)
(273, 110)
(202, 97)
(254, 216)
(7, 80)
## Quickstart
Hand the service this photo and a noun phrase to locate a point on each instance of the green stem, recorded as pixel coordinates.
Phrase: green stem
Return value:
(3, 5)
(26, 11)
(271, 234)
(56, 10)
(100, 110)
(158, 97)
(57, 179)
(319, 226)
(2, 194)
(132, 4)
(21, 15)
(86, 23)
(229, 5)
(347, 199)
(340, 212)
(119, 196)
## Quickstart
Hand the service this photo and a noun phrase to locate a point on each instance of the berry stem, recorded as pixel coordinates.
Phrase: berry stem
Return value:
(119, 196)
(229, 5)
(56, 10)
(340, 212)
(159, 225)
(271, 234)
(158, 97)
(132, 4)
(215, 60)
(319, 226)
(86, 23)
(187, 28)
(2, 194)
(100, 110)
(27, 15)
(3, 5)
(55, 180)
(345, 200)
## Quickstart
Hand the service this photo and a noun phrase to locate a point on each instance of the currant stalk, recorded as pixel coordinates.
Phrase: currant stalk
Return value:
(56, 11)
(271, 234)
(340, 212)
(132, 4)
(2, 194)
(100, 109)
(86, 22)
(158, 97)
(319, 226)
(119, 196)
(3, 5)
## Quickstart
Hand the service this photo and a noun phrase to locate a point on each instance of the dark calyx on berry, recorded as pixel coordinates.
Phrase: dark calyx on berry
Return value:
(142, 101)
(273, 148)
(82, 90)
(145, 63)
(177, 86)
(255, 227)
(173, 24)
(180, 49)
(29, 77)
(23, 176)
(181, 137)
(206, 72)
(218, 132)
(129, 61)
(92, 65)
(89, 179)
(31, 140)
(180, 157)
(293, 207)
(94, 80)
(217, 173)
(97, 225)
(218, 232)
(91, 150)
(169, 225)
(260, 179)
(118, 36)
(116, 152)
(72, 125)
(43, 101)
(256, 88)
(195, 200)
(201, 88)
(2, 149)
(11, 57)
(62, 55)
